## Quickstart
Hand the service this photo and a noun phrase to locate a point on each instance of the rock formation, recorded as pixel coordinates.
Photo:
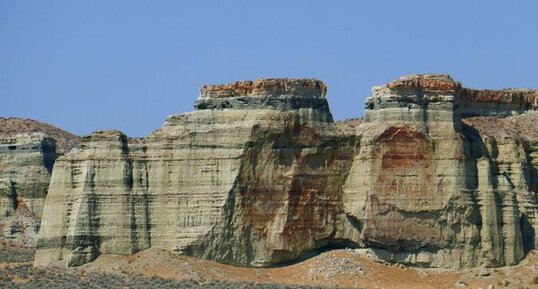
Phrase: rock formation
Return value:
(260, 174)
(11, 126)
(427, 188)
(26, 162)
(233, 184)
(27, 155)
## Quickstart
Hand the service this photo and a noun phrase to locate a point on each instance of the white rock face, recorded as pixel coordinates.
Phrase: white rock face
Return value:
(260, 174)
(507, 185)
(25, 164)
(243, 186)
(425, 190)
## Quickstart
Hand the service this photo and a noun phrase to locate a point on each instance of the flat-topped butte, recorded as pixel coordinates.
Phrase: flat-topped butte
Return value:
(271, 93)
(440, 91)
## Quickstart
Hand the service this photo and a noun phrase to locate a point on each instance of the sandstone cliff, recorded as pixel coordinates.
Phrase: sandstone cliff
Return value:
(27, 154)
(251, 177)
(259, 174)
(427, 188)
(25, 165)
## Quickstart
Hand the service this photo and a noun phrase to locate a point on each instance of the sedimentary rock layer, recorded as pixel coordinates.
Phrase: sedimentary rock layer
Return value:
(25, 165)
(243, 186)
(11, 126)
(424, 188)
(260, 174)
(28, 149)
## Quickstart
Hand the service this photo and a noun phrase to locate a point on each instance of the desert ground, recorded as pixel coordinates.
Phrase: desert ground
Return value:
(343, 268)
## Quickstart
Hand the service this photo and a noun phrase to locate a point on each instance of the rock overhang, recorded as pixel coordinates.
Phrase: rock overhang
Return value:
(415, 91)
(269, 93)
(441, 91)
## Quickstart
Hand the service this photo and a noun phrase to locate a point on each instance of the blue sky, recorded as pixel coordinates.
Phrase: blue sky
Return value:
(92, 65)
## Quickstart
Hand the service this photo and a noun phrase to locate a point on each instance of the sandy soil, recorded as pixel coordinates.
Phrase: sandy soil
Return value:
(340, 268)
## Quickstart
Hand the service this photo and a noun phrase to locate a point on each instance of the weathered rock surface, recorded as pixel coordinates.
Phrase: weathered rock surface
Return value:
(25, 165)
(27, 154)
(260, 174)
(425, 187)
(239, 185)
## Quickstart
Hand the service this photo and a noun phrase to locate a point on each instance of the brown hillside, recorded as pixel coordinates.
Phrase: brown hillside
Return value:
(64, 140)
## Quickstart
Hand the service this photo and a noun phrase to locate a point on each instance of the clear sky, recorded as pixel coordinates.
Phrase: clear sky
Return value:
(92, 65)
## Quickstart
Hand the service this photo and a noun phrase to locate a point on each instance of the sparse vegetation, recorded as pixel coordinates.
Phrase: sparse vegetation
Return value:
(24, 276)
(16, 271)
(19, 254)
(535, 280)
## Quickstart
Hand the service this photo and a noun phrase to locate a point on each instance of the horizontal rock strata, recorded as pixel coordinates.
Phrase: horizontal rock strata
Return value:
(281, 94)
(26, 162)
(28, 149)
(259, 174)
(425, 189)
(210, 183)
(11, 126)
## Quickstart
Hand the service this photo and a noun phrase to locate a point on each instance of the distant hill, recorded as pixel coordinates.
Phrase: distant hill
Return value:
(64, 140)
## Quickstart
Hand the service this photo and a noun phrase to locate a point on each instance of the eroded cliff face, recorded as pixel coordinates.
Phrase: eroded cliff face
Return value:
(251, 178)
(25, 165)
(28, 149)
(505, 152)
(260, 174)
(425, 189)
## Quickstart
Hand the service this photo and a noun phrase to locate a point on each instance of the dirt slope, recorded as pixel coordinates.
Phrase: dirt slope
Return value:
(338, 268)
(12, 125)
